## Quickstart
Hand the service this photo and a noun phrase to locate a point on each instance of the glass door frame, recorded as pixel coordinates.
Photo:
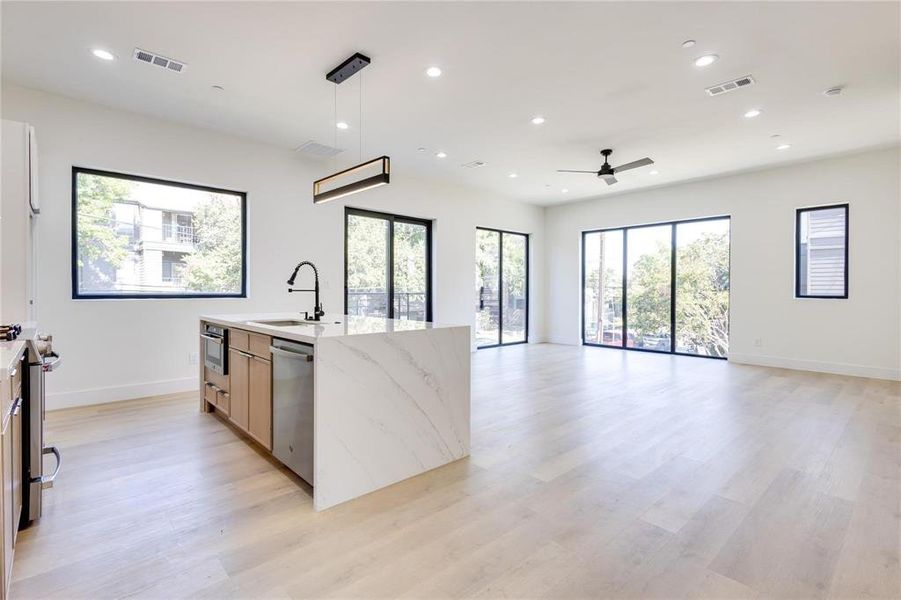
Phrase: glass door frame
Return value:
(673, 251)
(500, 287)
(392, 219)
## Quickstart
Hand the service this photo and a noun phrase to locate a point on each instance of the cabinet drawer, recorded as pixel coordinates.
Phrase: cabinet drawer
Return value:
(17, 376)
(12, 389)
(223, 401)
(258, 345)
(239, 340)
(209, 393)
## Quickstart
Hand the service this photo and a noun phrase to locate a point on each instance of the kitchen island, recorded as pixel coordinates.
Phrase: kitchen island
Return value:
(390, 398)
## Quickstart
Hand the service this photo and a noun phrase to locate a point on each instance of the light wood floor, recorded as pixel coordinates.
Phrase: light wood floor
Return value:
(594, 473)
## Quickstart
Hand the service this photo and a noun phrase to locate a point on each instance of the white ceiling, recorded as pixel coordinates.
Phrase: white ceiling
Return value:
(603, 74)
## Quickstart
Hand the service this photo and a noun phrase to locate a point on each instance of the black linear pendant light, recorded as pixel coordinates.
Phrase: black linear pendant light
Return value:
(337, 76)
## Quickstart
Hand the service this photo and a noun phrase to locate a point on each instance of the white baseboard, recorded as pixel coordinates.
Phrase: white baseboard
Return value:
(58, 400)
(815, 365)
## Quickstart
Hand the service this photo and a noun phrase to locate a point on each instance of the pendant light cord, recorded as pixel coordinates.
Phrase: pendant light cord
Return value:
(361, 117)
(335, 125)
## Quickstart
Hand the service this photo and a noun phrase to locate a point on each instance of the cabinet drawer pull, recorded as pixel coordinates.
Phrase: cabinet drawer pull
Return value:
(17, 407)
(245, 354)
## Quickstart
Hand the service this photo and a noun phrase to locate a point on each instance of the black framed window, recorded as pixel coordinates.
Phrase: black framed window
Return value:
(821, 252)
(141, 237)
(662, 287)
(387, 265)
(502, 287)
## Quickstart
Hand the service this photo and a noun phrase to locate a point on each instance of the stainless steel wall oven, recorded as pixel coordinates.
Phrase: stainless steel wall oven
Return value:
(215, 348)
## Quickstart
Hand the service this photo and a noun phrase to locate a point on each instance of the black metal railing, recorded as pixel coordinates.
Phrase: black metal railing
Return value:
(407, 305)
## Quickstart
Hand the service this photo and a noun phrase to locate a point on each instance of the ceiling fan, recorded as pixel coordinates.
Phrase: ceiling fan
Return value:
(607, 172)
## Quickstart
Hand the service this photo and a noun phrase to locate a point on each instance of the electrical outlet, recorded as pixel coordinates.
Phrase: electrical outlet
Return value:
(758, 342)
(193, 358)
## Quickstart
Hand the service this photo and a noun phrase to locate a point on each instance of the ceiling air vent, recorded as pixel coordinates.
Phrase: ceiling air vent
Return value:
(159, 61)
(317, 150)
(476, 164)
(730, 86)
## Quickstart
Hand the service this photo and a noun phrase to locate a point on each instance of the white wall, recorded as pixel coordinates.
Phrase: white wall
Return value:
(118, 349)
(858, 336)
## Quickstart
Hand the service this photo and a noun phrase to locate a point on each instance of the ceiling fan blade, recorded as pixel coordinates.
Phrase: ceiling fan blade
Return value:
(609, 179)
(634, 164)
(570, 171)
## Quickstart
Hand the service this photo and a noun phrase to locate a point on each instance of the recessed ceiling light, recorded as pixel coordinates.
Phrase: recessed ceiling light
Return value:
(102, 54)
(754, 112)
(688, 43)
(655, 172)
(775, 135)
(834, 91)
(218, 88)
(537, 120)
(783, 146)
(512, 175)
(706, 60)
(441, 154)
(433, 72)
(420, 149)
(341, 125)
(564, 190)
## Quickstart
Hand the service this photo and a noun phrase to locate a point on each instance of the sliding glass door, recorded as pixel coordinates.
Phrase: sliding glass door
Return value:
(702, 287)
(648, 288)
(387, 266)
(502, 287)
(602, 293)
(660, 288)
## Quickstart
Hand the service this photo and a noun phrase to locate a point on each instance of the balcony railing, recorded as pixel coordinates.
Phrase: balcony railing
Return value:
(182, 234)
(407, 305)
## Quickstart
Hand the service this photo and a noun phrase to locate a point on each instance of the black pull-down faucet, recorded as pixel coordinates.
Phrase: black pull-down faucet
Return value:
(317, 309)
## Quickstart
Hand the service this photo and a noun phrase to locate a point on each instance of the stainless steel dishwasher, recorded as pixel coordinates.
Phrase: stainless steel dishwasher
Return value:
(292, 406)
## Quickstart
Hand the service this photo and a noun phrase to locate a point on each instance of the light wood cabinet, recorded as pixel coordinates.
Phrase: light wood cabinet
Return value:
(223, 402)
(258, 345)
(209, 393)
(6, 447)
(10, 472)
(260, 401)
(239, 387)
(238, 340)
(16, 431)
(245, 394)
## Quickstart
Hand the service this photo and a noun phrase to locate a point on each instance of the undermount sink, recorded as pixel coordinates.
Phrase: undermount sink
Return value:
(284, 323)
(293, 322)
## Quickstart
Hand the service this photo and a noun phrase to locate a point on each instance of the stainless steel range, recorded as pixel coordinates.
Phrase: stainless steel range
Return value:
(41, 360)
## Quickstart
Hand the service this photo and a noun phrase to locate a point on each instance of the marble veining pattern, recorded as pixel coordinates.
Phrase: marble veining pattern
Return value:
(388, 406)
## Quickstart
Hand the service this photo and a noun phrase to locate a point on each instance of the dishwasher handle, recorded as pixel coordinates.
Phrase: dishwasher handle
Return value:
(291, 354)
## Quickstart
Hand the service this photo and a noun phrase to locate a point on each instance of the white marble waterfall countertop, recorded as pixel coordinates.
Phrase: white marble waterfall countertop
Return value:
(331, 325)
